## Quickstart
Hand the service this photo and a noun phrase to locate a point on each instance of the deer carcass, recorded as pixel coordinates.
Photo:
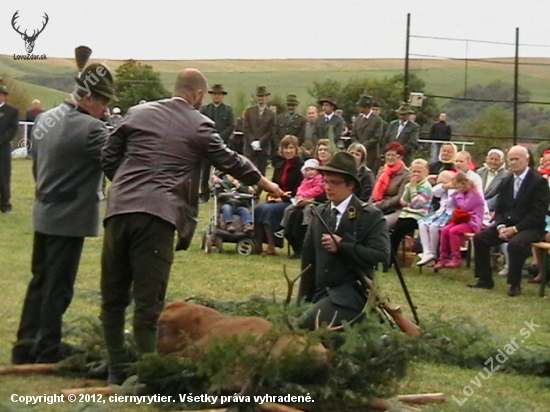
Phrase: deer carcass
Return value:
(184, 327)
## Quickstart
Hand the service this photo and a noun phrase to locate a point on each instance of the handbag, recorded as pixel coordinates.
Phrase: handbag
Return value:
(460, 216)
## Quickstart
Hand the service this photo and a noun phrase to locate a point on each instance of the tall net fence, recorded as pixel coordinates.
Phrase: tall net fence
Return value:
(476, 87)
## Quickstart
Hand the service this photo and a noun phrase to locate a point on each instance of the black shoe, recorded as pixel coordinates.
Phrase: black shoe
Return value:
(482, 285)
(22, 352)
(5, 208)
(515, 290)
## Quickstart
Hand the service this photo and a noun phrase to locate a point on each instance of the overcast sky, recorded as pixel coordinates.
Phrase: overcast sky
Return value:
(281, 29)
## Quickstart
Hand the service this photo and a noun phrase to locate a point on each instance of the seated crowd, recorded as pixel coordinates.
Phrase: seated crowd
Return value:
(443, 200)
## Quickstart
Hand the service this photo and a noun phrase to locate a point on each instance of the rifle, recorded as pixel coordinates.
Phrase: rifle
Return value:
(405, 324)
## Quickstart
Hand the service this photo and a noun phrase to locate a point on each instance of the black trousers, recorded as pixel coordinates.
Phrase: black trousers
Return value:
(402, 228)
(55, 262)
(5, 177)
(205, 176)
(327, 312)
(259, 159)
(138, 250)
(295, 231)
(373, 160)
(519, 249)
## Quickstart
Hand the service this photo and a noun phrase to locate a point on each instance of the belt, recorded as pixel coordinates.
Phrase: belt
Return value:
(56, 197)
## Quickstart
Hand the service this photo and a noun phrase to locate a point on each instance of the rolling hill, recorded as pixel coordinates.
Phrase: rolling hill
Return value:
(50, 80)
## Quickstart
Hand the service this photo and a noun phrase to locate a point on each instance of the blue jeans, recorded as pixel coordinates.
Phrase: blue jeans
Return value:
(229, 210)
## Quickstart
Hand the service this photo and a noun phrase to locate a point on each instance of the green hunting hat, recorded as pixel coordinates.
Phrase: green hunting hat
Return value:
(364, 101)
(104, 85)
(217, 88)
(329, 100)
(291, 99)
(342, 163)
(3, 89)
(262, 91)
(405, 109)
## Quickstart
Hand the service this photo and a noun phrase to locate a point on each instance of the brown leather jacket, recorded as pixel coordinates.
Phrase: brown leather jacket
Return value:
(153, 159)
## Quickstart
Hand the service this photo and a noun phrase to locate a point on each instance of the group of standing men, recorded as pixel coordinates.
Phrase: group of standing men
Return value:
(153, 158)
(262, 129)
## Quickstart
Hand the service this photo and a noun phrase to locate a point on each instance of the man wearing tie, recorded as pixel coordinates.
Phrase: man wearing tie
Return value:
(222, 115)
(328, 126)
(522, 204)
(360, 241)
(367, 130)
(259, 127)
(289, 123)
(404, 131)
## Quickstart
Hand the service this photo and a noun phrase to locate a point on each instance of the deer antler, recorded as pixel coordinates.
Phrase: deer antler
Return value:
(13, 19)
(291, 282)
(43, 25)
(330, 327)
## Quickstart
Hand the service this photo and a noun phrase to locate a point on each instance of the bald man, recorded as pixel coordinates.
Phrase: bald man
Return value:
(153, 160)
(520, 211)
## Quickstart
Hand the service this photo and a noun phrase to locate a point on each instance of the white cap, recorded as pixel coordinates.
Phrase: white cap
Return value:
(116, 110)
(311, 164)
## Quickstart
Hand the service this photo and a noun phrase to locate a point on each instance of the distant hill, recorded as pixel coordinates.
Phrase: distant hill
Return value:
(50, 80)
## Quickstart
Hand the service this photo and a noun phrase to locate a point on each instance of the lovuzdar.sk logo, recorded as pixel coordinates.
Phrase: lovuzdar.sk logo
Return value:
(29, 39)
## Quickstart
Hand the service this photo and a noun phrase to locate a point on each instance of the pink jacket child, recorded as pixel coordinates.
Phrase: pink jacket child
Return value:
(470, 204)
(311, 187)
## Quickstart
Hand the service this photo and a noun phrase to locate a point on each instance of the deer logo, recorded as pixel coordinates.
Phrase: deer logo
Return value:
(29, 40)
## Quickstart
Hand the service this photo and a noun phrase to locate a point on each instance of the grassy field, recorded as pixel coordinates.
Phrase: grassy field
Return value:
(229, 276)
(442, 77)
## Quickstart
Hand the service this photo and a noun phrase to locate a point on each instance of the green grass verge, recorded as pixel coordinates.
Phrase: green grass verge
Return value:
(228, 276)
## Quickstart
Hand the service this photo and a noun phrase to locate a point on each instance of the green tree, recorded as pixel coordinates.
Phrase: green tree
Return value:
(135, 81)
(388, 92)
(494, 121)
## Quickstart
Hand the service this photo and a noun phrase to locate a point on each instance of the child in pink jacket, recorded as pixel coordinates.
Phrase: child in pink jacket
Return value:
(311, 187)
(467, 217)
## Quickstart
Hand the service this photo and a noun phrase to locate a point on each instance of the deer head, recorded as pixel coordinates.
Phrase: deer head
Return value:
(29, 40)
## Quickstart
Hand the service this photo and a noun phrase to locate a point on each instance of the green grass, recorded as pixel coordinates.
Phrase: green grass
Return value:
(230, 276)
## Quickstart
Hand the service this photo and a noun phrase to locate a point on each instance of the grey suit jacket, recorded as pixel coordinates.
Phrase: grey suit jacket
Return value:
(67, 171)
(491, 192)
(324, 129)
(258, 128)
(368, 131)
(153, 159)
(408, 137)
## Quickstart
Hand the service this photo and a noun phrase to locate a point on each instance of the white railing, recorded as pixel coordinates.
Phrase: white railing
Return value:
(463, 144)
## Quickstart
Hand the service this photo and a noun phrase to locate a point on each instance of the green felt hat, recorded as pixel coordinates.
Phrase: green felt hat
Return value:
(104, 86)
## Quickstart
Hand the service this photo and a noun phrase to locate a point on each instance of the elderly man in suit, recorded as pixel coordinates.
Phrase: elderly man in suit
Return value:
(224, 120)
(404, 131)
(492, 173)
(289, 123)
(9, 121)
(522, 204)
(329, 125)
(66, 148)
(367, 130)
(258, 129)
(153, 159)
(360, 241)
